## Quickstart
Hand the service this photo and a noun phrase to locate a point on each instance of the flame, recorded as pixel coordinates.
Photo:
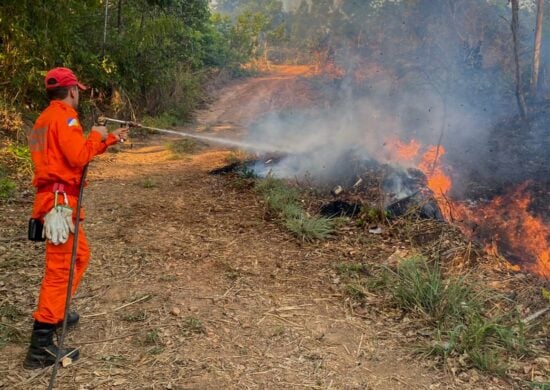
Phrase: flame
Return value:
(505, 225)
(403, 152)
(522, 237)
(428, 163)
(438, 181)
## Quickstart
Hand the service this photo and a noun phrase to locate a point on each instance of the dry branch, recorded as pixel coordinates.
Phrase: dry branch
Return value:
(535, 315)
(103, 313)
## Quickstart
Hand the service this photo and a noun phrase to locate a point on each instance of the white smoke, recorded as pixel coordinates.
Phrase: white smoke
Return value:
(322, 143)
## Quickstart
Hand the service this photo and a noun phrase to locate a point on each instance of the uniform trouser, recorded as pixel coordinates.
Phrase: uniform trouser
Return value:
(53, 293)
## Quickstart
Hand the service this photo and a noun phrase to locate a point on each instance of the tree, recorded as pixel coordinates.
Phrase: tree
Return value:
(536, 50)
(157, 49)
(515, 28)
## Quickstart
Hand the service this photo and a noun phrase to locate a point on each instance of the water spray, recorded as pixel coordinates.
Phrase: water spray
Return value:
(102, 120)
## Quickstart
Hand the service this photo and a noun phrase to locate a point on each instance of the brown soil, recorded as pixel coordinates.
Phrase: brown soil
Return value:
(191, 287)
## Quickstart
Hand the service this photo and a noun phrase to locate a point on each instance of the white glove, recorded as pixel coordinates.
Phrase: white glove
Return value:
(56, 225)
(68, 215)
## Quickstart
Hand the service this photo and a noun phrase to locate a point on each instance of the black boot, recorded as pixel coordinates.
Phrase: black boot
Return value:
(42, 350)
(72, 320)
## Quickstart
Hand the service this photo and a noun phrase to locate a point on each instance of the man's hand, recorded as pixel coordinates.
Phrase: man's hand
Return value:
(101, 130)
(121, 133)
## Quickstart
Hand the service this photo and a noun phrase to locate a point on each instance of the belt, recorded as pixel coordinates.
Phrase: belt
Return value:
(59, 187)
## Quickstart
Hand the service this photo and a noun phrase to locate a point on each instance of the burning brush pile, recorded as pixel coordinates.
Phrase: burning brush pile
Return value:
(507, 225)
(408, 178)
(488, 178)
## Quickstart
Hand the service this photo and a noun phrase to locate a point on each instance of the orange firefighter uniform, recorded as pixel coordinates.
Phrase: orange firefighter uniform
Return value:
(59, 152)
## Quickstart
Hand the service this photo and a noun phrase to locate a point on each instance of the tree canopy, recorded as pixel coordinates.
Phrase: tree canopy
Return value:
(155, 50)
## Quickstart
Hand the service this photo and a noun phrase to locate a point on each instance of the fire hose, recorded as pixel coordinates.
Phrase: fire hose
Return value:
(103, 120)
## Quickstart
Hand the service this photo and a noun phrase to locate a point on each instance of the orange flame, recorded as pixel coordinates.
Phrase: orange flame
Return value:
(505, 224)
(403, 152)
(438, 181)
(521, 235)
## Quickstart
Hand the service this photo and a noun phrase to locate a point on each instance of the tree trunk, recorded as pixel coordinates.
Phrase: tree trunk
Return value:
(105, 29)
(536, 51)
(266, 54)
(515, 27)
(119, 16)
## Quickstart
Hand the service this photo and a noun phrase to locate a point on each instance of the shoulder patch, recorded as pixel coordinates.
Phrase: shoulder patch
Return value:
(73, 122)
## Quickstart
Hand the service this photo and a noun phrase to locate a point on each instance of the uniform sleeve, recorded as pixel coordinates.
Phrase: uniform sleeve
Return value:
(111, 140)
(78, 150)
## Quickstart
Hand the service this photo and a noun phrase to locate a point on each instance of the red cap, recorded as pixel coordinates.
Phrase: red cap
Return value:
(62, 77)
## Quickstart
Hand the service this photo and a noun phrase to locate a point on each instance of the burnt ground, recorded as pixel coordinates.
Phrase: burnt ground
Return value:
(192, 287)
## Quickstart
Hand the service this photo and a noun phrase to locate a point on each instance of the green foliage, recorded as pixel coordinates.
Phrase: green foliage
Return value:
(246, 172)
(259, 26)
(485, 342)
(7, 188)
(149, 183)
(284, 201)
(280, 198)
(421, 287)
(155, 54)
(373, 215)
(539, 386)
(164, 120)
(310, 228)
(192, 325)
(277, 195)
(21, 155)
(463, 327)
(292, 211)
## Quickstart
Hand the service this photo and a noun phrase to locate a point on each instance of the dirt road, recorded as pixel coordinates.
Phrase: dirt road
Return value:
(191, 287)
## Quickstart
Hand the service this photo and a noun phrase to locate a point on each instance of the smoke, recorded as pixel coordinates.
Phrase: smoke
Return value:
(439, 72)
(326, 143)
(291, 5)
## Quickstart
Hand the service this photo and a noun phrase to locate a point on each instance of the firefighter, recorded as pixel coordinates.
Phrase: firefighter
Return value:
(60, 152)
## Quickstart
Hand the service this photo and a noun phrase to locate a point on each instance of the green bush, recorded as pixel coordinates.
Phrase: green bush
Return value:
(285, 202)
(355, 291)
(268, 184)
(278, 195)
(21, 155)
(420, 287)
(7, 188)
(486, 343)
(310, 228)
(457, 310)
(292, 210)
(153, 62)
(149, 183)
(164, 120)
